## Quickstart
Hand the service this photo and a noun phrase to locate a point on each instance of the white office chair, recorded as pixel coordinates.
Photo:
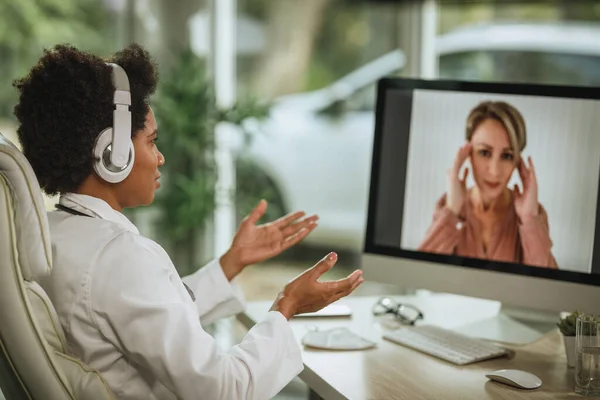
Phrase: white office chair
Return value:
(34, 363)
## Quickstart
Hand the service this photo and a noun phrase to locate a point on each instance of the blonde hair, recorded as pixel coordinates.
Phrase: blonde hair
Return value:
(507, 115)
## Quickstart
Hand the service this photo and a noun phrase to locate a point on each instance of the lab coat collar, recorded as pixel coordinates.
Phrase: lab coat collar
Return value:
(97, 208)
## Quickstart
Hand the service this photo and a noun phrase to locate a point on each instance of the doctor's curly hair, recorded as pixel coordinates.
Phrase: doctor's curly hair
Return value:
(66, 100)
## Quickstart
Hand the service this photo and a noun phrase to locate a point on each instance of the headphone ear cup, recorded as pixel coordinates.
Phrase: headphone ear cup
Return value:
(102, 164)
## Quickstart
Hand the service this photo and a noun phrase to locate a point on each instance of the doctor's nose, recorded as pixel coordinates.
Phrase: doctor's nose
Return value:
(161, 159)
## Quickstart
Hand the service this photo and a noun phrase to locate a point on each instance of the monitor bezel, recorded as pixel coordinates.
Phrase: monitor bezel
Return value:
(395, 83)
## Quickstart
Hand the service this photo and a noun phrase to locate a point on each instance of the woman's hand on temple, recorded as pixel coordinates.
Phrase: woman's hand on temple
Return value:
(457, 186)
(306, 294)
(255, 243)
(526, 202)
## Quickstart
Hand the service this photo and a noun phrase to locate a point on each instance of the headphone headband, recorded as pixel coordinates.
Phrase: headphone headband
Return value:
(119, 78)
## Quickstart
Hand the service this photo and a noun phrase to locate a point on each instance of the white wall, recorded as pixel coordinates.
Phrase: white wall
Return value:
(562, 139)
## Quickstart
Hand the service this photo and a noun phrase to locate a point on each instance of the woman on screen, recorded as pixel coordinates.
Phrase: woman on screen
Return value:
(489, 220)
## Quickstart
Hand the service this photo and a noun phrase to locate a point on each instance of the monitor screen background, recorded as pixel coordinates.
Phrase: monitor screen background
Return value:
(562, 140)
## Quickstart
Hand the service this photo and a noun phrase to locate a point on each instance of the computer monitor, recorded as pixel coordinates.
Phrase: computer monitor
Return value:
(534, 247)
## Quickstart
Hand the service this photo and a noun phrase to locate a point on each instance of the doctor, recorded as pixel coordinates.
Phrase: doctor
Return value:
(89, 133)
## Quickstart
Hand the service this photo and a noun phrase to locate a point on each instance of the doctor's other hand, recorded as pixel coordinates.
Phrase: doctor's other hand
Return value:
(306, 293)
(254, 243)
(457, 186)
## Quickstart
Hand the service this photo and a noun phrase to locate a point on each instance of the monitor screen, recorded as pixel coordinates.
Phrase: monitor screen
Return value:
(501, 177)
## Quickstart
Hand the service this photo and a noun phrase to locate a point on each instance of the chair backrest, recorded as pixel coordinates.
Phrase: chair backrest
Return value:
(34, 363)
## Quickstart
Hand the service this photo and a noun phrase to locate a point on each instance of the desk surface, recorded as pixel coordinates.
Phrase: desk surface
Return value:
(393, 372)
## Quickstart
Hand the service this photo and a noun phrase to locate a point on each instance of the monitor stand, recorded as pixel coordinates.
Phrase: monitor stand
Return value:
(514, 325)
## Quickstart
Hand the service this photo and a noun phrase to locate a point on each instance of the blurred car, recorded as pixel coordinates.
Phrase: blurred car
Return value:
(551, 53)
(315, 149)
(313, 153)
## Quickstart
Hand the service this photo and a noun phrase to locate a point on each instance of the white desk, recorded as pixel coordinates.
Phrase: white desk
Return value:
(394, 372)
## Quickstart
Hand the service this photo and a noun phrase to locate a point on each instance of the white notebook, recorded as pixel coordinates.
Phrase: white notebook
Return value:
(332, 310)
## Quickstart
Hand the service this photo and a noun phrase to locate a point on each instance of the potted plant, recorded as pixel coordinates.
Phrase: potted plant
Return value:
(567, 326)
(187, 113)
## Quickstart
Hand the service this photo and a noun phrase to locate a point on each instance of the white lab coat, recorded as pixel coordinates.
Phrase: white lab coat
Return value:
(126, 313)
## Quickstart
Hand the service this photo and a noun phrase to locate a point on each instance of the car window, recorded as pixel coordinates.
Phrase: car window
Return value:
(524, 67)
(469, 66)
(363, 100)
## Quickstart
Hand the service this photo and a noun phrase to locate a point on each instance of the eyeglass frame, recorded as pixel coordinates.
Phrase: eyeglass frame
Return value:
(396, 311)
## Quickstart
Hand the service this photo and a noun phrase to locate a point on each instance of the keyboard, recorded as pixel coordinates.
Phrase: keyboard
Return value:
(444, 344)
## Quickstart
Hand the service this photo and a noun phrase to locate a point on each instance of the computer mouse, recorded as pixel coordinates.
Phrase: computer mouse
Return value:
(516, 378)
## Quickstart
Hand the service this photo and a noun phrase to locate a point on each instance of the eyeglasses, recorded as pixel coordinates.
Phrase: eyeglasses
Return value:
(404, 313)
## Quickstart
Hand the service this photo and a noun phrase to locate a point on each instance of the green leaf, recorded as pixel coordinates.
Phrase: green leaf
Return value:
(187, 114)
(29, 26)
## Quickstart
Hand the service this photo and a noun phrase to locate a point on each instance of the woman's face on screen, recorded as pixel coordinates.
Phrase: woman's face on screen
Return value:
(492, 158)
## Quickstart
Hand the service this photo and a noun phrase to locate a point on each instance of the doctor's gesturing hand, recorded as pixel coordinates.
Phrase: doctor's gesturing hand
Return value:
(256, 243)
(307, 294)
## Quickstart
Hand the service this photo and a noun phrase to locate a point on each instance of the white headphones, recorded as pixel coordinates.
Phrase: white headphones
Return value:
(113, 152)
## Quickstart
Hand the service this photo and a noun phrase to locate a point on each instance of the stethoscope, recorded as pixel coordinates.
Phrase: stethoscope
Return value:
(70, 210)
(79, 213)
